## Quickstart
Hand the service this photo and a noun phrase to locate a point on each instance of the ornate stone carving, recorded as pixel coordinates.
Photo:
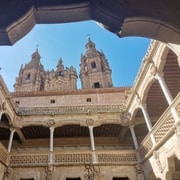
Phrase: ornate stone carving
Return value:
(49, 172)
(89, 122)
(70, 109)
(51, 123)
(177, 130)
(157, 160)
(125, 118)
(139, 172)
(153, 70)
(7, 173)
(73, 158)
(19, 160)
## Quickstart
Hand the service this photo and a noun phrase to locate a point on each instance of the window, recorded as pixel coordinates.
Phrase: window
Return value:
(28, 76)
(61, 73)
(17, 102)
(88, 100)
(93, 65)
(120, 178)
(96, 85)
(52, 101)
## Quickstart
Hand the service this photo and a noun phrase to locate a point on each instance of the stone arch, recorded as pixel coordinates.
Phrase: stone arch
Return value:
(7, 117)
(124, 18)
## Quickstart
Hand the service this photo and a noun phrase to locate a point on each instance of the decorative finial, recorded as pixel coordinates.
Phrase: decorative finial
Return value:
(88, 35)
(37, 47)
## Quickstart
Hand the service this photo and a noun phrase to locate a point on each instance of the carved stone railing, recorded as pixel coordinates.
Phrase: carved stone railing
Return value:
(74, 158)
(4, 155)
(145, 147)
(118, 157)
(163, 129)
(22, 159)
(25, 111)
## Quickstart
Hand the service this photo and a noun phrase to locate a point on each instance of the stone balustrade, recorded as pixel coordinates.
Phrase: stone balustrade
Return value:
(164, 128)
(74, 158)
(4, 155)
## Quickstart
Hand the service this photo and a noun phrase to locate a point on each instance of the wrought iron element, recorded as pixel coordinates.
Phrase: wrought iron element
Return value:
(92, 171)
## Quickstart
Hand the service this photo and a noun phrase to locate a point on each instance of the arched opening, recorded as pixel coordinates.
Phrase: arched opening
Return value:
(122, 18)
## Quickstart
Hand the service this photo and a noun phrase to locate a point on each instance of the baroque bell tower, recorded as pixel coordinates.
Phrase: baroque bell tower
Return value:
(31, 76)
(94, 68)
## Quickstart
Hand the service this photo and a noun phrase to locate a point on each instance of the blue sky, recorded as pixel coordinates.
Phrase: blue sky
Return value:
(67, 41)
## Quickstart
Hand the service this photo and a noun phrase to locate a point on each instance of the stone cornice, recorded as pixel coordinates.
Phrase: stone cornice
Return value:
(58, 110)
(70, 92)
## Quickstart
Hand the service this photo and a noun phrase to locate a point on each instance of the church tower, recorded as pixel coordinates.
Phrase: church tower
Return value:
(94, 68)
(61, 78)
(31, 75)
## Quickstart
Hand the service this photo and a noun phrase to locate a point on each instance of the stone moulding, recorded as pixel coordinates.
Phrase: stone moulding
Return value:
(83, 109)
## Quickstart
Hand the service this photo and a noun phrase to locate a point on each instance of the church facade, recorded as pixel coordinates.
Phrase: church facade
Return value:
(51, 130)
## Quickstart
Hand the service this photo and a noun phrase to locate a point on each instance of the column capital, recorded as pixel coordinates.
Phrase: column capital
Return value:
(159, 76)
(125, 118)
(12, 128)
(51, 123)
(153, 70)
(89, 122)
(143, 105)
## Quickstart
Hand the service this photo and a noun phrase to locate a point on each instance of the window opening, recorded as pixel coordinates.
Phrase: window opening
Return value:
(52, 101)
(88, 99)
(28, 76)
(17, 102)
(93, 65)
(96, 85)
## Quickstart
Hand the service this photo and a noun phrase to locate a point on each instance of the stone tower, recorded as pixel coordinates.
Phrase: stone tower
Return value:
(94, 68)
(31, 76)
(61, 78)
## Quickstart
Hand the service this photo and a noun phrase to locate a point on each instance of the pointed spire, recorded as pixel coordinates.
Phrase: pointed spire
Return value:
(90, 46)
(36, 54)
(37, 48)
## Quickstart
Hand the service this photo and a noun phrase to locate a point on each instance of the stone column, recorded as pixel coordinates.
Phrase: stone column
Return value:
(139, 169)
(51, 145)
(90, 122)
(164, 87)
(11, 139)
(148, 121)
(134, 137)
(50, 168)
(146, 116)
(92, 144)
(167, 95)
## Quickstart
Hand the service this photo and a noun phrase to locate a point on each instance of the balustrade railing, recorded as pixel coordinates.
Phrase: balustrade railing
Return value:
(164, 127)
(74, 158)
(4, 155)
